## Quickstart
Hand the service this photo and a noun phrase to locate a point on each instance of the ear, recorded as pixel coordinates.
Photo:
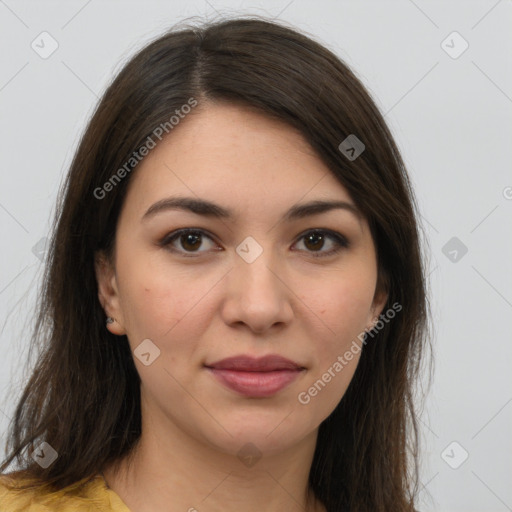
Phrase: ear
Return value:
(379, 301)
(108, 293)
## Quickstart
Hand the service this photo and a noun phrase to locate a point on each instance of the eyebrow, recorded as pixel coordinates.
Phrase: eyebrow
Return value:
(209, 209)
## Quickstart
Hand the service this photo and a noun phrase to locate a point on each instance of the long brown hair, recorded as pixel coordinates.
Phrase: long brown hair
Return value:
(83, 396)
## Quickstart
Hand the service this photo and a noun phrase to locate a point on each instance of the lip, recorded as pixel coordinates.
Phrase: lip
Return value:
(255, 377)
(271, 362)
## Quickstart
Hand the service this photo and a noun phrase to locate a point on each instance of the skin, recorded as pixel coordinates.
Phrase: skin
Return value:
(213, 305)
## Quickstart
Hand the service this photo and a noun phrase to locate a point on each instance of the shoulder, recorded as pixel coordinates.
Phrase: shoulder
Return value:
(88, 495)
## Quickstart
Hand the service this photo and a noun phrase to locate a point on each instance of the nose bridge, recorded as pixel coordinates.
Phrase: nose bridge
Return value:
(254, 264)
(257, 295)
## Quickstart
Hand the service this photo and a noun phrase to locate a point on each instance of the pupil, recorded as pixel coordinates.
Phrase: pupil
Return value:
(190, 239)
(317, 241)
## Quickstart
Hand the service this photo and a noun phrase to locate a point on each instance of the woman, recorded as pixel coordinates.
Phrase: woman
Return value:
(234, 309)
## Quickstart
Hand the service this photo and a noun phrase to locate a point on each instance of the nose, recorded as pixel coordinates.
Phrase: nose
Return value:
(257, 294)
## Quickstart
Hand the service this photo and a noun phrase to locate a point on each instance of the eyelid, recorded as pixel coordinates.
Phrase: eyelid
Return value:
(167, 240)
(341, 241)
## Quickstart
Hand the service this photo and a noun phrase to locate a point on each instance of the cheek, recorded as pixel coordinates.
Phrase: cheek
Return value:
(344, 305)
(159, 301)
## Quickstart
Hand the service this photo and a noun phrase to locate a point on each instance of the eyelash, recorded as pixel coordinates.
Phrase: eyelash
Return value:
(339, 239)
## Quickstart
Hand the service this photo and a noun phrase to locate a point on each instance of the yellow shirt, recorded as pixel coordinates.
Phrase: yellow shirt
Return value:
(93, 496)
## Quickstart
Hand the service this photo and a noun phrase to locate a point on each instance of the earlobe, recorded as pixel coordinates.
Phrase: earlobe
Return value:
(108, 294)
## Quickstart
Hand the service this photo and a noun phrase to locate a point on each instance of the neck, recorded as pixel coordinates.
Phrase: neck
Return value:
(170, 471)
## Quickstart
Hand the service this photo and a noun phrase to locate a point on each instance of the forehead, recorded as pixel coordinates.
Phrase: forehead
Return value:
(235, 156)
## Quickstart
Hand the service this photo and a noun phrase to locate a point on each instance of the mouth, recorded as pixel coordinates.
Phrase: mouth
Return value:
(255, 377)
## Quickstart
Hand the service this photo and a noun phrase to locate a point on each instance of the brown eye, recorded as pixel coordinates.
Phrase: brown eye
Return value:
(190, 241)
(186, 241)
(317, 239)
(314, 241)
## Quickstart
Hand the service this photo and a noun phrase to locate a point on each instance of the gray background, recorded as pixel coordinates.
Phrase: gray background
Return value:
(450, 116)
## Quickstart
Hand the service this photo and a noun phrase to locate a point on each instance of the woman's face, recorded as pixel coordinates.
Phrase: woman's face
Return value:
(252, 284)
